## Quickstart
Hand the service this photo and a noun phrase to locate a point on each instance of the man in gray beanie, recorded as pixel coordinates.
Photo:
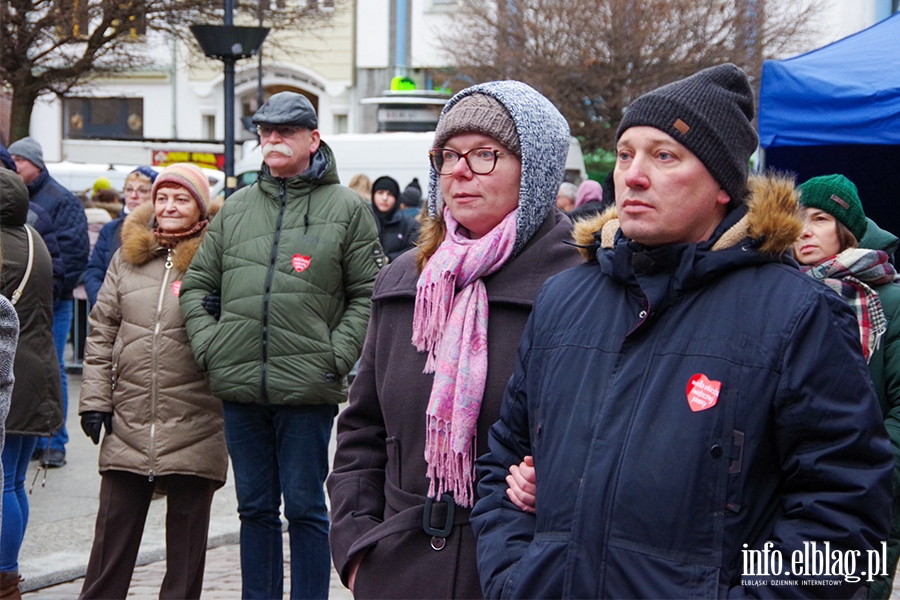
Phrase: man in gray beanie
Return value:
(688, 417)
(70, 225)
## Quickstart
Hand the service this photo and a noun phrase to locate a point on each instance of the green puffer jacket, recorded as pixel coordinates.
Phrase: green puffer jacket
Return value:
(884, 367)
(295, 260)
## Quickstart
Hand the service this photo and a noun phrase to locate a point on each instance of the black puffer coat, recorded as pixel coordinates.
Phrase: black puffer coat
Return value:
(36, 400)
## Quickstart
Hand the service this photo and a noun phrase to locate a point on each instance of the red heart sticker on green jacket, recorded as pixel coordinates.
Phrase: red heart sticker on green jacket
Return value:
(300, 262)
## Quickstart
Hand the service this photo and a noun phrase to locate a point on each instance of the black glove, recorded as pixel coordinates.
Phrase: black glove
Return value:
(92, 421)
(212, 302)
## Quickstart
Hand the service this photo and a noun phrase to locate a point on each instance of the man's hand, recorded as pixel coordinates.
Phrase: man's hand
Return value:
(212, 302)
(93, 421)
(522, 485)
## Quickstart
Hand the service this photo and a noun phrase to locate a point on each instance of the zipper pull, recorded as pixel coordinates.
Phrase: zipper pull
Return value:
(169, 253)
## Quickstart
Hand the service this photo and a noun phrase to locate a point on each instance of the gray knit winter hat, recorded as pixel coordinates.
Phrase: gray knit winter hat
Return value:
(543, 140)
(30, 150)
(479, 114)
(711, 114)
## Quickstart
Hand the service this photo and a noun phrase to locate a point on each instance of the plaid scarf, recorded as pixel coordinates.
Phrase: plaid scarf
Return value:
(850, 274)
(450, 324)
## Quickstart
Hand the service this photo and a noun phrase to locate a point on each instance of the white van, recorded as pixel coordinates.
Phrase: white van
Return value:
(401, 155)
(78, 177)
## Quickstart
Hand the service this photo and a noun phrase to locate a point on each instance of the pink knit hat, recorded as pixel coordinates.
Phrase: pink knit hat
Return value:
(191, 178)
(588, 190)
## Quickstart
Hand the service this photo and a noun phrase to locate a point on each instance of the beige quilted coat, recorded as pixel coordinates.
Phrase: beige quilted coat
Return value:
(139, 365)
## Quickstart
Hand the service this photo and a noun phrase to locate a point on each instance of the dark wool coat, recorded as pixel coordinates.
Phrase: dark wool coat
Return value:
(378, 485)
(69, 223)
(649, 486)
(36, 408)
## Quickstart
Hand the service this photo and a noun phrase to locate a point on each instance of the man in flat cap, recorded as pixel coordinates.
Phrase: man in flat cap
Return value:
(699, 412)
(276, 304)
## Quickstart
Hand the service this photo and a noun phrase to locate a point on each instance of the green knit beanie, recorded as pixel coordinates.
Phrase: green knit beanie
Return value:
(836, 195)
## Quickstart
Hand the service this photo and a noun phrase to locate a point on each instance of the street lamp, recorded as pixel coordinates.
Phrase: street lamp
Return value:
(229, 44)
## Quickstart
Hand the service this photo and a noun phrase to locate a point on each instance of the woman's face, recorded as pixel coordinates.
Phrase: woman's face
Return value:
(384, 200)
(819, 239)
(176, 210)
(480, 202)
(137, 191)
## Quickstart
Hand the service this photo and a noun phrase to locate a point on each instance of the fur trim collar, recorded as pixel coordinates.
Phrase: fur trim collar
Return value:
(139, 245)
(773, 216)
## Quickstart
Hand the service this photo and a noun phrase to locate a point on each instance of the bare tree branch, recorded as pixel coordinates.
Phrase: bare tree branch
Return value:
(593, 57)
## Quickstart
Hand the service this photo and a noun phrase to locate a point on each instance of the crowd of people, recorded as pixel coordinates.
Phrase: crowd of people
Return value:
(707, 370)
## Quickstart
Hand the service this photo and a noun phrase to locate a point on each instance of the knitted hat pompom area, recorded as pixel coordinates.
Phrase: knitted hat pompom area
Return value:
(838, 196)
(190, 177)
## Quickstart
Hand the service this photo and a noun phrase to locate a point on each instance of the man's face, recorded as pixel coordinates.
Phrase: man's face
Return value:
(664, 194)
(28, 171)
(564, 203)
(287, 149)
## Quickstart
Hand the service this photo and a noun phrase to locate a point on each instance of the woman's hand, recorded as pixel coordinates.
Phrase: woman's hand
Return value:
(354, 567)
(522, 485)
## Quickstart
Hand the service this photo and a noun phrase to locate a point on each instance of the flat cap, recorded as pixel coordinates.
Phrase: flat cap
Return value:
(287, 108)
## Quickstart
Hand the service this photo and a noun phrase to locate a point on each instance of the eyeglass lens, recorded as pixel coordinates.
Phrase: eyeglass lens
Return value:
(142, 190)
(481, 161)
(283, 130)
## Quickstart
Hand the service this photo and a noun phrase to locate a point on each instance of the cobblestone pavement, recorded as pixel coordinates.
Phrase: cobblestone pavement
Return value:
(222, 580)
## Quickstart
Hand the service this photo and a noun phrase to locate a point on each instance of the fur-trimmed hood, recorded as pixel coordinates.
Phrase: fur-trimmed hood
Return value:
(772, 218)
(139, 245)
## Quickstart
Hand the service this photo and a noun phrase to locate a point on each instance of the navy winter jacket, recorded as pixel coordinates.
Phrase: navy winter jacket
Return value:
(43, 224)
(70, 224)
(108, 242)
(684, 405)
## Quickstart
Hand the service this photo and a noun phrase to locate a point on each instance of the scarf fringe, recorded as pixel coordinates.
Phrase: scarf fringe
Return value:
(434, 303)
(449, 471)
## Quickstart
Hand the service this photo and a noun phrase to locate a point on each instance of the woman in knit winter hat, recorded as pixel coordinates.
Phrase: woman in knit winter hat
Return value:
(836, 247)
(446, 321)
(141, 385)
(396, 232)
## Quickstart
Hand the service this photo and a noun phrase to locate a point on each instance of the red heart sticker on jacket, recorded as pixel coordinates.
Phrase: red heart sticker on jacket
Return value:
(176, 287)
(300, 262)
(702, 393)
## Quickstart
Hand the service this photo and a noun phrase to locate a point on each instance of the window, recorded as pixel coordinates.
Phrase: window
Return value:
(209, 127)
(340, 123)
(98, 118)
(74, 20)
(320, 4)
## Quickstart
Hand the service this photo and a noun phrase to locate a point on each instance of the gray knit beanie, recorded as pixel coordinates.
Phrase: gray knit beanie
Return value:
(30, 150)
(479, 114)
(541, 141)
(711, 114)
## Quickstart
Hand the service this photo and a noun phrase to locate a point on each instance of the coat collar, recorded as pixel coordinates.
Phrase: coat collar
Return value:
(772, 222)
(139, 245)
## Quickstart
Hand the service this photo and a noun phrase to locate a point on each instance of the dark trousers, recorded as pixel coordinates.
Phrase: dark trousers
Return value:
(124, 501)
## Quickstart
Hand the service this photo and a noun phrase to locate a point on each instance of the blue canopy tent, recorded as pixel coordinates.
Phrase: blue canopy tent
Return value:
(837, 110)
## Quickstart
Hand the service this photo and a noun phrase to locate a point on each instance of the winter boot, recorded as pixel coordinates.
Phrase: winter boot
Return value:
(9, 585)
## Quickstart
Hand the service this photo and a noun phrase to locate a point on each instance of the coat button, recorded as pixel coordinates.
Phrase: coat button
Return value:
(331, 377)
(642, 314)
(716, 451)
(438, 543)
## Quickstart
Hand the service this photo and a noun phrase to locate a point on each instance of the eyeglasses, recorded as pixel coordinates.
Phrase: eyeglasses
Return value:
(141, 191)
(481, 161)
(283, 130)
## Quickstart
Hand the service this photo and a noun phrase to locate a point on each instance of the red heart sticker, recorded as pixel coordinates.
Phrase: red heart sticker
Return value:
(300, 262)
(176, 287)
(702, 393)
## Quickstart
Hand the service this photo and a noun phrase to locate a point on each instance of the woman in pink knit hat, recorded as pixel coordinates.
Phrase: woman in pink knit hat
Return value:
(163, 427)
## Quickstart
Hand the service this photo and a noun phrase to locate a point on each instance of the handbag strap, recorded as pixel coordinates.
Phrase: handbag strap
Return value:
(18, 293)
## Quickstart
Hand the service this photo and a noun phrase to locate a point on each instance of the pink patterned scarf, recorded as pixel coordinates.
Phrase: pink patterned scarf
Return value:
(450, 324)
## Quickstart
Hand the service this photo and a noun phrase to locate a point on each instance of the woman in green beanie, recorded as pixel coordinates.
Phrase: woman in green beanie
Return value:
(840, 247)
